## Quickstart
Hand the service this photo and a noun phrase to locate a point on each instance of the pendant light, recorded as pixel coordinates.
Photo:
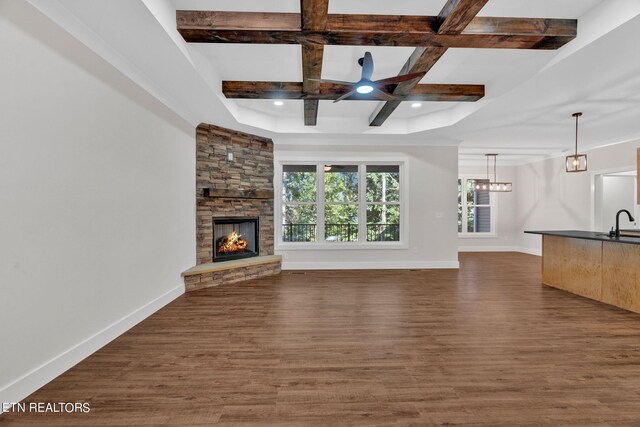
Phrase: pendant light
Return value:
(494, 186)
(577, 162)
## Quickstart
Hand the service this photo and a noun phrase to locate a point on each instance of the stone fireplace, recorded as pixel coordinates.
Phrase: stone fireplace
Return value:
(234, 212)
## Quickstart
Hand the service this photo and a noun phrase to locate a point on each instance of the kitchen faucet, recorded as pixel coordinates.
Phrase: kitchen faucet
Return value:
(631, 218)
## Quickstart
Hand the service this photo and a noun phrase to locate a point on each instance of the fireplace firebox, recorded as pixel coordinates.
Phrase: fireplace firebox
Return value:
(235, 238)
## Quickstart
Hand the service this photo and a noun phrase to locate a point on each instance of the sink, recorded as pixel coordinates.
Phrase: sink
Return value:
(623, 233)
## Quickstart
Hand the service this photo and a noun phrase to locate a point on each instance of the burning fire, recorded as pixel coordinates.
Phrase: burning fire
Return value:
(232, 243)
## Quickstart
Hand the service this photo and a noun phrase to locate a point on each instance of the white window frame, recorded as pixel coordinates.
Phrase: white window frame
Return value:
(493, 204)
(321, 244)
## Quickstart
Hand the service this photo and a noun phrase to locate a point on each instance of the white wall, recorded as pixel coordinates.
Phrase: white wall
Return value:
(97, 201)
(548, 198)
(432, 179)
(506, 237)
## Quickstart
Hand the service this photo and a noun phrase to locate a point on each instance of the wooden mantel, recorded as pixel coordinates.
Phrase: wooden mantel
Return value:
(237, 194)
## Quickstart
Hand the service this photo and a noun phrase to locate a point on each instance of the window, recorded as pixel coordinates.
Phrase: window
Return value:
(341, 205)
(383, 203)
(299, 207)
(348, 203)
(474, 208)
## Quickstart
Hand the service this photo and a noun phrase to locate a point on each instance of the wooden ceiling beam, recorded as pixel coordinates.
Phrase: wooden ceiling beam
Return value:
(457, 14)
(373, 30)
(453, 19)
(313, 17)
(390, 24)
(330, 92)
(314, 14)
(311, 69)
(457, 26)
(466, 41)
(237, 21)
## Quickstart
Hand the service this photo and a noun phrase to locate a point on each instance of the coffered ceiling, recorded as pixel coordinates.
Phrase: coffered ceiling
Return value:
(529, 94)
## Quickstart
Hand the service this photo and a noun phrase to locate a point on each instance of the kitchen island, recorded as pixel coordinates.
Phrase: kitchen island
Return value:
(593, 265)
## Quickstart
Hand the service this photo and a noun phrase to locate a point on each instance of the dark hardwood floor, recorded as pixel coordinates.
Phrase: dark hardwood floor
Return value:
(485, 345)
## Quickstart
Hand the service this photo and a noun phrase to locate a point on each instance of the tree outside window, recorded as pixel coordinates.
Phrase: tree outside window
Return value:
(299, 207)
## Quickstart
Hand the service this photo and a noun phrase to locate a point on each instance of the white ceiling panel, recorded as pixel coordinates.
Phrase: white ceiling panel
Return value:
(239, 5)
(249, 62)
(530, 94)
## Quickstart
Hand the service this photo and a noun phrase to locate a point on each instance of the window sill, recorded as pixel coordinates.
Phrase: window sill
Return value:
(341, 246)
(477, 236)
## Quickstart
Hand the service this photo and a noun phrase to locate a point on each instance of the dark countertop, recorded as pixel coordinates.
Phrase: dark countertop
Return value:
(590, 235)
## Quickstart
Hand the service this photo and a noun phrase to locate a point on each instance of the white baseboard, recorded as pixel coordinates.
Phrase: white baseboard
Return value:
(364, 265)
(487, 249)
(530, 251)
(27, 384)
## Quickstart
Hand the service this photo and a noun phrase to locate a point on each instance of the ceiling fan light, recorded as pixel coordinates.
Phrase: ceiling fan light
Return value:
(364, 88)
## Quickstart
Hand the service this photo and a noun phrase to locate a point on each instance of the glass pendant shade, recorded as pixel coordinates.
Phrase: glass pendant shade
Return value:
(576, 162)
(493, 186)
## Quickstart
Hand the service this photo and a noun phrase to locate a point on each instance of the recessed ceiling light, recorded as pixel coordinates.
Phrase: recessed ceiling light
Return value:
(416, 105)
(278, 103)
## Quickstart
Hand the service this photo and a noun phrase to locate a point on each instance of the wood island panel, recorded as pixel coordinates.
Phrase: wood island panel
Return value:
(621, 275)
(574, 265)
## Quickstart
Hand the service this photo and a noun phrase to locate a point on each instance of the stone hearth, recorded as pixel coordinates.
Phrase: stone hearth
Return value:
(242, 187)
(213, 274)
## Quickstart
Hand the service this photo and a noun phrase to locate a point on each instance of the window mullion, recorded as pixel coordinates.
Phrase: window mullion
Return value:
(362, 203)
(403, 204)
(279, 205)
(320, 202)
(464, 206)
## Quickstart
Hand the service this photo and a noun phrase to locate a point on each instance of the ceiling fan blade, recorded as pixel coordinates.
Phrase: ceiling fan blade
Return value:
(346, 95)
(384, 95)
(400, 79)
(367, 66)
(335, 82)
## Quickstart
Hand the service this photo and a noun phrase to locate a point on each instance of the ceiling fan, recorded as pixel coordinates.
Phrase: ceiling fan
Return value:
(379, 88)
